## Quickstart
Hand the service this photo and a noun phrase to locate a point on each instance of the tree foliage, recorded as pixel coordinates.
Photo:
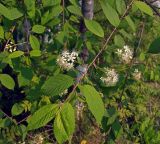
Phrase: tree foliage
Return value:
(70, 67)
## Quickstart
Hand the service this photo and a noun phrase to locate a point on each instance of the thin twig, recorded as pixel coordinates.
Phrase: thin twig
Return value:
(11, 31)
(20, 44)
(23, 120)
(9, 117)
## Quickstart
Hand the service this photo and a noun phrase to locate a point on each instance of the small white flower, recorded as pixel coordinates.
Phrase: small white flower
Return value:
(126, 54)
(74, 54)
(10, 50)
(65, 53)
(137, 74)
(110, 78)
(119, 51)
(64, 93)
(136, 71)
(66, 60)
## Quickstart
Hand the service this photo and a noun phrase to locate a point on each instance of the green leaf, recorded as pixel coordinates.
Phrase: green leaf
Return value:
(5, 122)
(10, 13)
(111, 114)
(130, 22)
(49, 3)
(35, 53)
(74, 10)
(119, 41)
(4, 11)
(144, 7)
(22, 81)
(49, 15)
(44, 18)
(94, 101)
(74, 2)
(30, 5)
(15, 14)
(121, 6)
(55, 11)
(94, 27)
(16, 54)
(7, 81)
(64, 124)
(34, 42)
(17, 109)
(41, 117)
(1, 33)
(38, 29)
(55, 85)
(110, 13)
(155, 46)
(117, 129)
(142, 56)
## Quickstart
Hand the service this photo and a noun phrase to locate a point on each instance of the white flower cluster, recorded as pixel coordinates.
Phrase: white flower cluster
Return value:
(66, 60)
(10, 47)
(126, 54)
(137, 74)
(111, 77)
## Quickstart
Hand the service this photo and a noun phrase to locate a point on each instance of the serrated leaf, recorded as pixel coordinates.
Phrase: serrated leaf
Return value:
(94, 101)
(110, 13)
(94, 27)
(16, 54)
(64, 123)
(7, 81)
(144, 7)
(155, 46)
(55, 85)
(38, 29)
(17, 109)
(34, 42)
(41, 117)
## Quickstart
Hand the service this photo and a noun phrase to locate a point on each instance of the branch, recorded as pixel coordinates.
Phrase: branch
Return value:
(99, 53)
